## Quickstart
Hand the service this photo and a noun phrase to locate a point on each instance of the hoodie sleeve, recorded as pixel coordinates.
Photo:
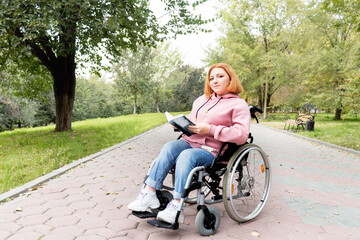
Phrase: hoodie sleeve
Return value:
(239, 131)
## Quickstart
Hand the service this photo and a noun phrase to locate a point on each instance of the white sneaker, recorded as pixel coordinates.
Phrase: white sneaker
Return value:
(169, 214)
(144, 201)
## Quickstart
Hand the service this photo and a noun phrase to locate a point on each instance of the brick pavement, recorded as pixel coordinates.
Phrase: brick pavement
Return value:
(315, 195)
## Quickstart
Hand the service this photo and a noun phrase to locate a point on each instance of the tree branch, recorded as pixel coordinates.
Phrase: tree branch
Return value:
(35, 49)
(40, 54)
(327, 34)
(45, 41)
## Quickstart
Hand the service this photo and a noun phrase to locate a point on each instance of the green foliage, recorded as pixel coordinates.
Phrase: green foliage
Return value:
(57, 35)
(155, 80)
(8, 114)
(50, 26)
(22, 112)
(333, 47)
(256, 43)
(304, 50)
(190, 87)
(94, 98)
(133, 73)
(351, 93)
(30, 153)
(166, 64)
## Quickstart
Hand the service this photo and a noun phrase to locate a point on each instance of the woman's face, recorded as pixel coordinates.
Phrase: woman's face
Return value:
(219, 81)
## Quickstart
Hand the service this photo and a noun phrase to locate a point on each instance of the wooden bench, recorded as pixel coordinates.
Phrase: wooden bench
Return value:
(297, 123)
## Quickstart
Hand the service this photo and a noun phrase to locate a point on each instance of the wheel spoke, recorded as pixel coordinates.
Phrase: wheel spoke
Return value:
(253, 183)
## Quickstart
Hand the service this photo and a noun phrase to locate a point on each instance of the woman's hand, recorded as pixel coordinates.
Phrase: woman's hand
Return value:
(200, 128)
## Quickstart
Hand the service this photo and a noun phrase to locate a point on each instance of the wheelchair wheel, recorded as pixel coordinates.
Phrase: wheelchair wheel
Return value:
(246, 183)
(207, 225)
(164, 198)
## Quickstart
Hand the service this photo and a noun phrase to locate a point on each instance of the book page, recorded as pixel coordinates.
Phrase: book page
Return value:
(168, 116)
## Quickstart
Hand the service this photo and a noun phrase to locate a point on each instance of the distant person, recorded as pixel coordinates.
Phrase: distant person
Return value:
(220, 116)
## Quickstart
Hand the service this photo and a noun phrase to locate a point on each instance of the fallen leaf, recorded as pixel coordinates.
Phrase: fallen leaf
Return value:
(255, 234)
(35, 188)
(115, 193)
(19, 209)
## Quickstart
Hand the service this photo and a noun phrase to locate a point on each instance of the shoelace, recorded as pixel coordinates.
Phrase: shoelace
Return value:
(172, 207)
(140, 196)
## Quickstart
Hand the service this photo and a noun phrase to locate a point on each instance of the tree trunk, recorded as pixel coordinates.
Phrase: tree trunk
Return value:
(64, 91)
(157, 106)
(338, 114)
(260, 103)
(135, 105)
(266, 99)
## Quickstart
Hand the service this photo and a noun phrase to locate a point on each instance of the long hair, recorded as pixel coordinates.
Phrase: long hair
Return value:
(235, 84)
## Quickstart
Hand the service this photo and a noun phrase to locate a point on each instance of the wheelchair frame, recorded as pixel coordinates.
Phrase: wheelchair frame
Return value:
(232, 169)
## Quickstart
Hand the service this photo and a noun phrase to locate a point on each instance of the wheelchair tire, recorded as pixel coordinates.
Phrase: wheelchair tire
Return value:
(207, 225)
(246, 183)
(164, 199)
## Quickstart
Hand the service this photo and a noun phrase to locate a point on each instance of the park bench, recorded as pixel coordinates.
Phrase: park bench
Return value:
(301, 120)
(297, 123)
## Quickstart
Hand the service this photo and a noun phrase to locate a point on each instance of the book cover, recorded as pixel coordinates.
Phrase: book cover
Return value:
(181, 122)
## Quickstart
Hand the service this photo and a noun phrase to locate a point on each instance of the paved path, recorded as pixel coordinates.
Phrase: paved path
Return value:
(315, 195)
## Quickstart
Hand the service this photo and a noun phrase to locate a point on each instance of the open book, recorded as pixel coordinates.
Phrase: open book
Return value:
(181, 122)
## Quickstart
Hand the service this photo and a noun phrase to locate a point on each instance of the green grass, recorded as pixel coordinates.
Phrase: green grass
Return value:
(345, 133)
(26, 154)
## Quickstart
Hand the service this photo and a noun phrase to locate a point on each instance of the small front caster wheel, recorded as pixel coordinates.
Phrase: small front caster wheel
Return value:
(207, 224)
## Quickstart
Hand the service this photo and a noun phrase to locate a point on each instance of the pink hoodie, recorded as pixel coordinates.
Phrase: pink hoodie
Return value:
(229, 120)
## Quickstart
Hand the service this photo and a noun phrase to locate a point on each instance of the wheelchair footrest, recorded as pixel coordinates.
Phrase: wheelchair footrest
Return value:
(143, 214)
(162, 224)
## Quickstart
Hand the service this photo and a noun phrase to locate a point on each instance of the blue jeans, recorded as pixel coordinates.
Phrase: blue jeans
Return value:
(185, 157)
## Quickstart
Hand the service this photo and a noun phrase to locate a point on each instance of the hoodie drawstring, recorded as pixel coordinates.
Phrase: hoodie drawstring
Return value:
(208, 109)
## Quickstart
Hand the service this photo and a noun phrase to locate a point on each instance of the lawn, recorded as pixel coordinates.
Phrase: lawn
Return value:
(345, 133)
(26, 154)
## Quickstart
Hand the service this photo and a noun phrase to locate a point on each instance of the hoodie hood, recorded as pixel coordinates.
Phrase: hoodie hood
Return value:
(226, 96)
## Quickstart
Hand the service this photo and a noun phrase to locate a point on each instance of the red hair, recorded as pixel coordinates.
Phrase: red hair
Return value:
(235, 84)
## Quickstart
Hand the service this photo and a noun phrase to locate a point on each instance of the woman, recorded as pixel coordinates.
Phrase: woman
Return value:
(220, 116)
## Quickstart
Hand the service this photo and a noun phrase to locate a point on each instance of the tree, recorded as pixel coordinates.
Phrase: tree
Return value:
(94, 98)
(133, 73)
(166, 62)
(9, 112)
(256, 43)
(57, 35)
(190, 87)
(351, 94)
(330, 53)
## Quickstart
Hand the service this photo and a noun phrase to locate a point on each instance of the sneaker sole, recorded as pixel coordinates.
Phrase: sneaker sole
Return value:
(143, 209)
(180, 220)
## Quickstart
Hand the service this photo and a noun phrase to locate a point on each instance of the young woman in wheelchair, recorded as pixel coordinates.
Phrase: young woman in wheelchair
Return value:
(220, 116)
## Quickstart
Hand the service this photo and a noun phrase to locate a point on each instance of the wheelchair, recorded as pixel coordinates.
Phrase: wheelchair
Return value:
(240, 178)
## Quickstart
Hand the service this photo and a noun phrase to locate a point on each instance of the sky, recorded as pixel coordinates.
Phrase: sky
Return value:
(192, 46)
